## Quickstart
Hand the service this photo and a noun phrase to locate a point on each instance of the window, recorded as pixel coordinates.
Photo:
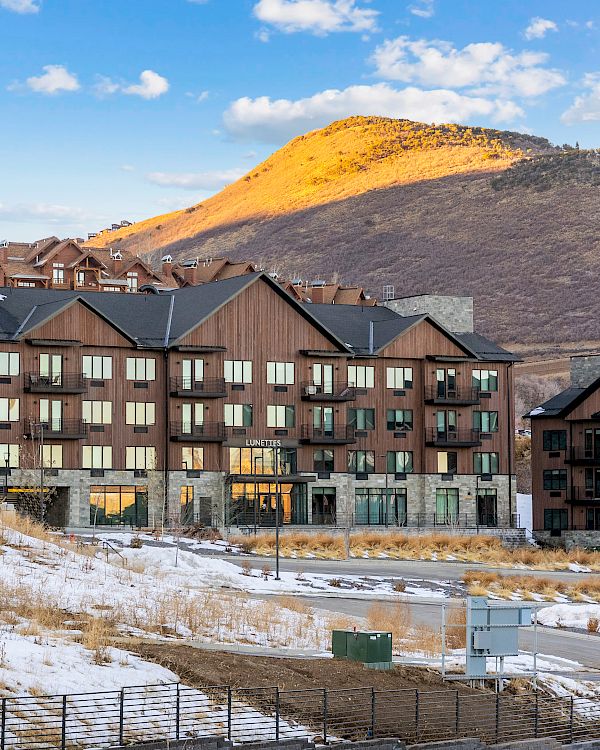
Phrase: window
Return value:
(281, 416)
(238, 415)
(51, 414)
(192, 459)
(97, 457)
(399, 462)
(361, 419)
(97, 412)
(555, 518)
(98, 368)
(58, 273)
(446, 505)
(140, 413)
(323, 460)
(485, 421)
(237, 371)
(399, 419)
(132, 281)
(193, 372)
(119, 505)
(280, 373)
(485, 380)
(9, 456)
(323, 377)
(361, 462)
(375, 506)
(9, 363)
(28, 284)
(80, 278)
(52, 456)
(555, 479)
(51, 368)
(361, 377)
(446, 382)
(9, 409)
(555, 440)
(447, 462)
(140, 457)
(140, 368)
(261, 461)
(485, 463)
(399, 377)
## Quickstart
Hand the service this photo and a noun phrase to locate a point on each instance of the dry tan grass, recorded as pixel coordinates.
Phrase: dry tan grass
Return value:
(404, 546)
(480, 583)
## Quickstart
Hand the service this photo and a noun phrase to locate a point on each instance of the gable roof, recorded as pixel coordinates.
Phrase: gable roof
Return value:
(486, 349)
(564, 402)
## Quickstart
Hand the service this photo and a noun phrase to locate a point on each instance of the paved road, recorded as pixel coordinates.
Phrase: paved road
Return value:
(568, 645)
(427, 570)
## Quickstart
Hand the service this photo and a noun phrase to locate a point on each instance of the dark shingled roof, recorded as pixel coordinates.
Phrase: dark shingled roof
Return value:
(564, 402)
(153, 320)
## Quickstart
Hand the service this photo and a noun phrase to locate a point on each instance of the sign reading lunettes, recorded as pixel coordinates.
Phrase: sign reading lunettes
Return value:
(261, 443)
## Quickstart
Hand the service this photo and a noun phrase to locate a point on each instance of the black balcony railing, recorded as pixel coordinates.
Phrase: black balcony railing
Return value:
(209, 432)
(329, 391)
(57, 429)
(436, 395)
(580, 455)
(337, 434)
(583, 495)
(66, 382)
(208, 388)
(458, 438)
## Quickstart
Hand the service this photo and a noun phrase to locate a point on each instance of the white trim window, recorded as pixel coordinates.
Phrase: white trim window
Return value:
(140, 369)
(140, 413)
(140, 457)
(96, 367)
(9, 409)
(96, 457)
(96, 412)
(280, 373)
(9, 363)
(399, 377)
(361, 376)
(237, 371)
(52, 456)
(281, 416)
(10, 452)
(238, 415)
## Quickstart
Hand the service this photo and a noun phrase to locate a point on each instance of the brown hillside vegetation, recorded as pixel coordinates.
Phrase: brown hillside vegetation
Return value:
(502, 216)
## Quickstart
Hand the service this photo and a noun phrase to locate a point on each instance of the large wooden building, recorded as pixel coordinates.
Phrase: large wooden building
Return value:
(181, 402)
(565, 460)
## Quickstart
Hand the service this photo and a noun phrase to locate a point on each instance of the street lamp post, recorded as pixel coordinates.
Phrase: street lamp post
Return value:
(277, 454)
(387, 489)
(256, 487)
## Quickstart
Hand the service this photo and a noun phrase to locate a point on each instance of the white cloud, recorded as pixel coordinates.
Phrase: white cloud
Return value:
(585, 108)
(20, 6)
(127, 168)
(539, 27)
(196, 180)
(202, 97)
(319, 17)
(422, 8)
(151, 86)
(485, 67)
(274, 121)
(42, 213)
(54, 79)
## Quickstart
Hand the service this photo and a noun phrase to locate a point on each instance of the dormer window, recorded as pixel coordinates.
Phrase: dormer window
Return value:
(132, 281)
(58, 273)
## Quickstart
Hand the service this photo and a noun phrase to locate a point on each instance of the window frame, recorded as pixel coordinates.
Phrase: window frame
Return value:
(144, 366)
(240, 371)
(281, 373)
(397, 378)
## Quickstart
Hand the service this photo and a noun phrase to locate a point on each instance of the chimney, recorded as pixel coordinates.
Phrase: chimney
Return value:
(190, 274)
(584, 370)
(167, 266)
(317, 294)
(454, 313)
(3, 255)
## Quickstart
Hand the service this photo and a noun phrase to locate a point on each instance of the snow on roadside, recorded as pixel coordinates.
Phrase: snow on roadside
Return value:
(569, 615)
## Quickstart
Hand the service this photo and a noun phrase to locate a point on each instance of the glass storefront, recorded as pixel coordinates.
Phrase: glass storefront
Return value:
(118, 505)
(373, 509)
(261, 461)
(255, 503)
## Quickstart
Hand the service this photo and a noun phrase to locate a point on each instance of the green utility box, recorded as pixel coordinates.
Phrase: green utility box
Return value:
(372, 648)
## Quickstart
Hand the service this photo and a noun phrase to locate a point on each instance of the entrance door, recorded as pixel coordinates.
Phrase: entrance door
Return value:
(323, 506)
(51, 369)
(323, 421)
(446, 424)
(323, 378)
(487, 508)
(592, 443)
(446, 382)
(51, 414)
(396, 508)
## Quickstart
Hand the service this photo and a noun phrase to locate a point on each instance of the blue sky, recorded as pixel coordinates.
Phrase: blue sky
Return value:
(113, 109)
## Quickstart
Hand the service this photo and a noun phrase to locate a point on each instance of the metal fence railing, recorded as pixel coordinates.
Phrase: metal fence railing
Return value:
(172, 711)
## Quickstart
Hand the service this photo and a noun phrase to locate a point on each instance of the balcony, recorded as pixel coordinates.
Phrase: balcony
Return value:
(456, 396)
(59, 383)
(452, 438)
(209, 432)
(190, 388)
(578, 455)
(337, 435)
(338, 391)
(583, 496)
(57, 429)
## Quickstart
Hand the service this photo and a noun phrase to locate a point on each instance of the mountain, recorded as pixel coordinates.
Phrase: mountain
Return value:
(505, 217)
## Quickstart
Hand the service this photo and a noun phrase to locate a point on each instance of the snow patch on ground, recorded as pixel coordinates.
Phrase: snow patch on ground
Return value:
(569, 615)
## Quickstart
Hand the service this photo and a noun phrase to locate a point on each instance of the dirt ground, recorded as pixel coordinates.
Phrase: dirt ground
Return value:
(199, 668)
